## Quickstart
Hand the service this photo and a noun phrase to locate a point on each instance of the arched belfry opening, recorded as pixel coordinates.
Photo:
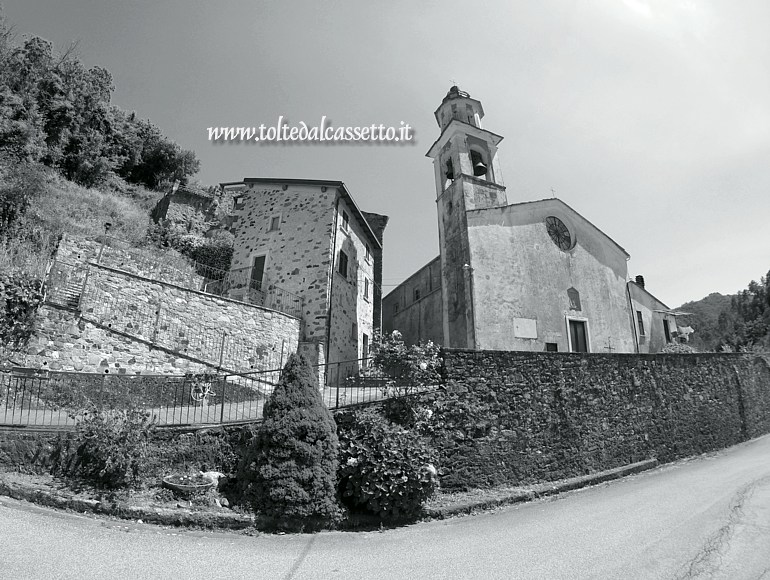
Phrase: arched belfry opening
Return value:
(479, 165)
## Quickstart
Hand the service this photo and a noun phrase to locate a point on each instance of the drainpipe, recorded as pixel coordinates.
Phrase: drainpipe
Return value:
(633, 318)
(470, 323)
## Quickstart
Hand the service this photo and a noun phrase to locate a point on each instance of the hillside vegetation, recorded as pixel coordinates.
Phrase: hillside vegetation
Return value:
(70, 161)
(734, 322)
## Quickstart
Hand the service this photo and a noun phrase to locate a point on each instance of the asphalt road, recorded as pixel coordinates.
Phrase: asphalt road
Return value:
(704, 518)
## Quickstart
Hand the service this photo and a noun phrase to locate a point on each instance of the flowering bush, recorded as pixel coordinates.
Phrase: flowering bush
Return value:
(407, 367)
(384, 469)
(407, 371)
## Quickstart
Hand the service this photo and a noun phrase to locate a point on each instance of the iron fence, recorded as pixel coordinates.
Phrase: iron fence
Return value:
(174, 268)
(156, 323)
(358, 382)
(238, 284)
(53, 399)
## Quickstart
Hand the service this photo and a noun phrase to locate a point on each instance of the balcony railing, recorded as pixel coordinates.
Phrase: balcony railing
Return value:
(238, 284)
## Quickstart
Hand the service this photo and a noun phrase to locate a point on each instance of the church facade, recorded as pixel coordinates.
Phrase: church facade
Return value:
(534, 276)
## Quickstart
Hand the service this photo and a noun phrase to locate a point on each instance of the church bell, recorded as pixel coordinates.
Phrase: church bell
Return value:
(479, 169)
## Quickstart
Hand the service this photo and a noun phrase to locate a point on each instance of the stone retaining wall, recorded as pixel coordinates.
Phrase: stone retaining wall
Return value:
(515, 417)
(133, 324)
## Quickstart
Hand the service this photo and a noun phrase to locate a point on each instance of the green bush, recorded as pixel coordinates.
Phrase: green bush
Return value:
(385, 469)
(288, 471)
(20, 298)
(191, 452)
(108, 449)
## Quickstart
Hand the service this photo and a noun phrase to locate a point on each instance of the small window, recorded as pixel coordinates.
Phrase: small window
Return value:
(366, 288)
(275, 223)
(365, 348)
(416, 294)
(354, 331)
(395, 308)
(368, 253)
(345, 221)
(666, 330)
(640, 321)
(551, 347)
(342, 264)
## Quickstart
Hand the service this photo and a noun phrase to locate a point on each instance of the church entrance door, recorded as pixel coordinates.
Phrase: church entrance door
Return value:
(577, 334)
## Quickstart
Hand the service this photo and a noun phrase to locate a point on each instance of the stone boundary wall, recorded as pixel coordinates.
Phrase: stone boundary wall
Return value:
(512, 418)
(123, 316)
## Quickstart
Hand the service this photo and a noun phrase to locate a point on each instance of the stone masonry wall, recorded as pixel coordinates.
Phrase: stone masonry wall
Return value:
(298, 252)
(515, 417)
(66, 342)
(123, 315)
(167, 265)
(352, 295)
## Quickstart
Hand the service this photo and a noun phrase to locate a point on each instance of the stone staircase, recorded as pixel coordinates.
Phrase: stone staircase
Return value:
(65, 283)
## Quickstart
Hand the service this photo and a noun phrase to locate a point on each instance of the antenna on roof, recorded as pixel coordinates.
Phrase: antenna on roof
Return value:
(553, 192)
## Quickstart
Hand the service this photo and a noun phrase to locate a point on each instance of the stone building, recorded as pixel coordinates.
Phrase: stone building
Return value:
(308, 239)
(654, 322)
(191, 210)
(532, 275)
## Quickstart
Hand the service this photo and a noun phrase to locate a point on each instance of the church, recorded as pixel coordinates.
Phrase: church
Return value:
(533, 275)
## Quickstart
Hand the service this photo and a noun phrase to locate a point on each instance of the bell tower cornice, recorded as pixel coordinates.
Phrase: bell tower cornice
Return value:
(454, 127)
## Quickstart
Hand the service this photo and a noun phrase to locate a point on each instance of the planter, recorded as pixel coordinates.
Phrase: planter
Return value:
(188, 485)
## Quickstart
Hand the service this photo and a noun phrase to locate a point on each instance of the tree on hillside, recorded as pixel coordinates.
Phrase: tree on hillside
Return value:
(56, 111)
(709, 317)
(288, 473)
(749, 325)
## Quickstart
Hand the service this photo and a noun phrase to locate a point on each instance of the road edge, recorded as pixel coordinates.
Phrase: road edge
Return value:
(540, 490)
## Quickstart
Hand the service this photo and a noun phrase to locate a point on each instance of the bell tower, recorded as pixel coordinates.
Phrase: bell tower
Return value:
(468, 177)
(466, 151)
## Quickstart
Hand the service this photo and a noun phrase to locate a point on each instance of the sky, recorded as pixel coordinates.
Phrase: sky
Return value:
(651, 118)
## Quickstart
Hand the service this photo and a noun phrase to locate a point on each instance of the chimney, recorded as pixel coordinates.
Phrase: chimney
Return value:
(640, 281)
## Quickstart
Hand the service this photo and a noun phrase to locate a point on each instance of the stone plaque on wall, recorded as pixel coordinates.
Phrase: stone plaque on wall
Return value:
(525, 327)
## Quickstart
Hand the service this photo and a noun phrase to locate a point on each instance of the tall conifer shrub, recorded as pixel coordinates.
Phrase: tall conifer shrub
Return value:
(288, 472)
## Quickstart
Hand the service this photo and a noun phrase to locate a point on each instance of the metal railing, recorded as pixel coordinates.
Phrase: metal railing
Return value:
(238, 285)
(52, 399)
(155, 322)
(32, 398)
(358, 382)
(175, 269)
